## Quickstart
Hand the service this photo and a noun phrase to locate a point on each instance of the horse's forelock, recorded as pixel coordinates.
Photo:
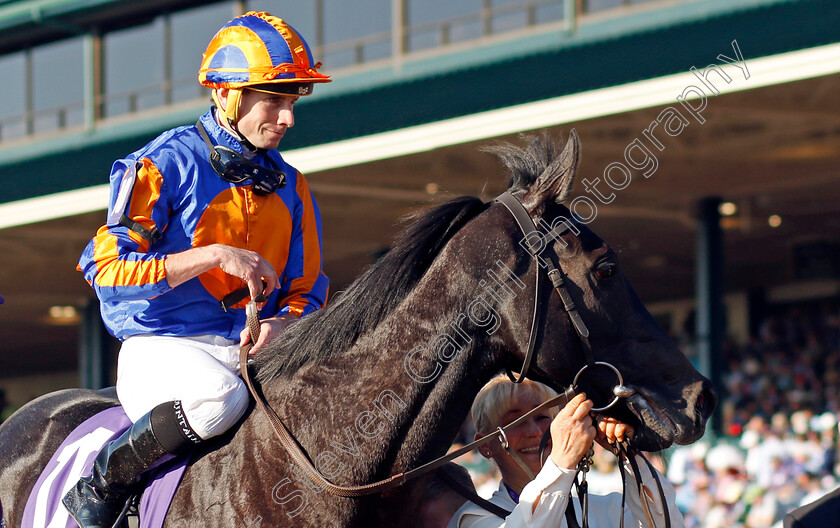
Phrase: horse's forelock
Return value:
(526, 164)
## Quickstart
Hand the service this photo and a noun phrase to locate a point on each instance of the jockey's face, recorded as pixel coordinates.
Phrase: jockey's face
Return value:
(264, 117)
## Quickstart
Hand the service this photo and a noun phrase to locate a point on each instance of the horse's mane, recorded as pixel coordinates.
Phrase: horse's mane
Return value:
(371, 297)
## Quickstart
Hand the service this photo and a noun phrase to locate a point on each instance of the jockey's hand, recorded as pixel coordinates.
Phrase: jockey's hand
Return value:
(572, 432)
(611, 431)
(269, 329)
(249, 266)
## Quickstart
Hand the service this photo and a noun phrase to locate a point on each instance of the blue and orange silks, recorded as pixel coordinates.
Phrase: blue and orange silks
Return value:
(177, 193)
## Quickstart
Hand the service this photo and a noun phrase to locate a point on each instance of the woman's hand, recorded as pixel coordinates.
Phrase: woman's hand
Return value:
(611, 431)
(572, 432)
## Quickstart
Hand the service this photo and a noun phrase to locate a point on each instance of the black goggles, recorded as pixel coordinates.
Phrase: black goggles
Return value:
(236, 168)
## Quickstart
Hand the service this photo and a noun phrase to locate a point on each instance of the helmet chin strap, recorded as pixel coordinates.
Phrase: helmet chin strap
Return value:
(230, 114)
(230, 111)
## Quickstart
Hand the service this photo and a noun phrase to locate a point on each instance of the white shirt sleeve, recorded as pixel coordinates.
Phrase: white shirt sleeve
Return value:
(542, 504)
(543, 501)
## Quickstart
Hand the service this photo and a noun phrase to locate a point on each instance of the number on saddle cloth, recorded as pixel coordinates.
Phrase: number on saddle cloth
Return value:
(74, 459)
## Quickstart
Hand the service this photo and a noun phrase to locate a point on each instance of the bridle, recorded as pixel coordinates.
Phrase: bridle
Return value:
(555, 274)
(543, 256)
(540, 254)
(529, 229)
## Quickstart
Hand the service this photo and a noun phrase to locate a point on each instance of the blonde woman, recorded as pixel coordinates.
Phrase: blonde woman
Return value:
(541, 501)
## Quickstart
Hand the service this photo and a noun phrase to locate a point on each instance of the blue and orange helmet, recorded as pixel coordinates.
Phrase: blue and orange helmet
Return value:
(260, 52)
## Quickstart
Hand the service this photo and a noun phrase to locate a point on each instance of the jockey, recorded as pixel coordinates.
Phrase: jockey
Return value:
(199, 220)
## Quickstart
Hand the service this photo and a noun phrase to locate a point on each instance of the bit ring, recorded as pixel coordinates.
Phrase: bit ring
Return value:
(620, 390)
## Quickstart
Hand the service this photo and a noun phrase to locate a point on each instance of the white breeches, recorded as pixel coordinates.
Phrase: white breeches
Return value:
(200, 371)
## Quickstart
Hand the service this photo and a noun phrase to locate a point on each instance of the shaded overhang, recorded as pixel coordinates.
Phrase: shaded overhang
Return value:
(29, 23)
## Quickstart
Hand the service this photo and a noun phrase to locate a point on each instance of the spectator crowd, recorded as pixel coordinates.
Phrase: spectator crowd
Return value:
(779, 408)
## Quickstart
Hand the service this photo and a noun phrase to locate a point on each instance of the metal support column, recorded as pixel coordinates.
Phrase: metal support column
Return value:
(399, 42)
(93, 79)
(571, 8)
(320, 41)
(94, 371)
(711, 320)
(29, 93)
(167, 60)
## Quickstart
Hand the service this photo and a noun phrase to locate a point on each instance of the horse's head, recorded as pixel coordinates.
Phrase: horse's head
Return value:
(672, 401)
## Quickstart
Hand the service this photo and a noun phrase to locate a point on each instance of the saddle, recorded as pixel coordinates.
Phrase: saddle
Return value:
(74, 458)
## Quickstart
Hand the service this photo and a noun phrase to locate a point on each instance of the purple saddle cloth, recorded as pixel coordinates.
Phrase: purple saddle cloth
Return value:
(74, 458)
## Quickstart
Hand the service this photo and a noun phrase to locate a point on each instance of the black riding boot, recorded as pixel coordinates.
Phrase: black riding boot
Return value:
(97, 499)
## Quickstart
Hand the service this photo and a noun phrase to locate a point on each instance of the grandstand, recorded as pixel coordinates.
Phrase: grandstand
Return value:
(710, 137)
(709, 131)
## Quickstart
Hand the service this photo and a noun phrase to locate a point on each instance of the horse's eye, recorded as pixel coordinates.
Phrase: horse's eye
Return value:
(605, 270)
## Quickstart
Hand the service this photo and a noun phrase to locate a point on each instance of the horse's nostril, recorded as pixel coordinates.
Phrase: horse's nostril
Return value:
(706, 401)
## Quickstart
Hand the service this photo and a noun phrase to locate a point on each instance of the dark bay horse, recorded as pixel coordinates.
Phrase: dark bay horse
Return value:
(381, 380)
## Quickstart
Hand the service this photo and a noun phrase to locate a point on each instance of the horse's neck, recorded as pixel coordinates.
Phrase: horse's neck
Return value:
(390, 403)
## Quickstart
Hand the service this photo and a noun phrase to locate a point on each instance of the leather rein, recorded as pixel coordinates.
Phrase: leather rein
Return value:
(555, 274)
(303, 461)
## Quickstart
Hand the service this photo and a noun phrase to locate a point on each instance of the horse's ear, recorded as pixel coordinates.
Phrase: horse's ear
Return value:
(556, 181)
